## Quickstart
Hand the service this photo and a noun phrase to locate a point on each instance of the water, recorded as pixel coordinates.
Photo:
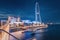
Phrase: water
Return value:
(51, 33)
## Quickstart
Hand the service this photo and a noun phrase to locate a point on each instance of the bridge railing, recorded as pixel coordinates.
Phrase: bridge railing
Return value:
(8, 34)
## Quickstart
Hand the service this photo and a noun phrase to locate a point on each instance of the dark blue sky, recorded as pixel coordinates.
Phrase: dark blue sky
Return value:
(49, 9)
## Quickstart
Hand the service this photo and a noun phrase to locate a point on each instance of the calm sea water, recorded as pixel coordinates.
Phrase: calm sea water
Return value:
(51, 33)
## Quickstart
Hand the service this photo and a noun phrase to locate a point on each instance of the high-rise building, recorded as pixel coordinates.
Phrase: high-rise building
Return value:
(37, 13)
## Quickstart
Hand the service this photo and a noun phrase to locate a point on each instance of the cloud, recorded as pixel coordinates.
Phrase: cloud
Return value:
(5, 15)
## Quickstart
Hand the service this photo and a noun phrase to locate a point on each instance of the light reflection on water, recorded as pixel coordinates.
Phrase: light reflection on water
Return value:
(35, 36)
(40, 35)
(51, 33)
(28, 35)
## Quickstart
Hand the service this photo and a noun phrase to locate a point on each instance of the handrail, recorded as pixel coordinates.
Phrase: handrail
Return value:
(9, 34)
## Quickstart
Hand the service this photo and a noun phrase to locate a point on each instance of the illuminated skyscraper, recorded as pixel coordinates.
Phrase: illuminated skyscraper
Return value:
(37, 13)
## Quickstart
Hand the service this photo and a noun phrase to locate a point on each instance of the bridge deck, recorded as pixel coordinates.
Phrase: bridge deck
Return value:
(17, 34)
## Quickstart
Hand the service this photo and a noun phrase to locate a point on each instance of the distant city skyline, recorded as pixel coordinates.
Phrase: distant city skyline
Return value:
(49, 9)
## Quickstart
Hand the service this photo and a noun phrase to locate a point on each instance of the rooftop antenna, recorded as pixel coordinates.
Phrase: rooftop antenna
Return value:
(37, 13)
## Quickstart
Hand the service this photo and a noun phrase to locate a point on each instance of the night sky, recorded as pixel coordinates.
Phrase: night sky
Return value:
(49, 9)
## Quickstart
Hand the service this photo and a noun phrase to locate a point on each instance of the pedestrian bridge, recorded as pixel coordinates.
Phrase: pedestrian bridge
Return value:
(6, 35)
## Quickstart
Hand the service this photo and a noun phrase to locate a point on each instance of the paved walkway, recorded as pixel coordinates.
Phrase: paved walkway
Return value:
(18, 35)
